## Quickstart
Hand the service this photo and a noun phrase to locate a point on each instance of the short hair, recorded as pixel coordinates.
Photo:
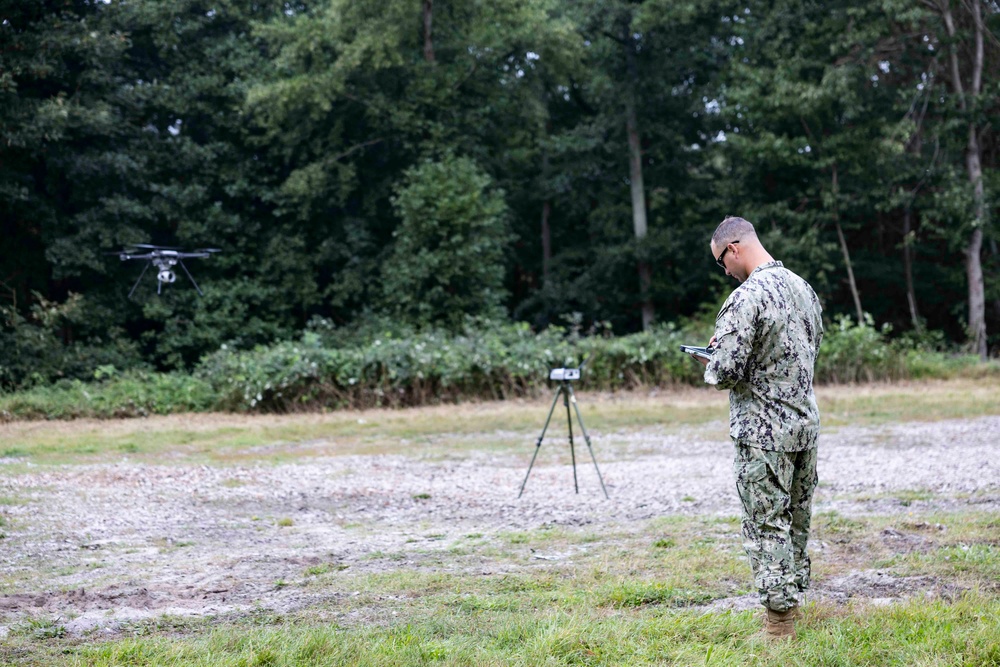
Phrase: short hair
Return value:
(732, 229)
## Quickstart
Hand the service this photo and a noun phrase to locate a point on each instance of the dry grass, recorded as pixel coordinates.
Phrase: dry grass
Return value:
(231, 437)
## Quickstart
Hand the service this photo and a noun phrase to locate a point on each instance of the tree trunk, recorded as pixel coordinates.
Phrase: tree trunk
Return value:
(428, 40)
(843, 247)
(973, 252)
(639, 211)
(995, 251)
(977, 294)
(911, 294)
(973, 159)
(973, 165)
(635, 178)
(546, 243)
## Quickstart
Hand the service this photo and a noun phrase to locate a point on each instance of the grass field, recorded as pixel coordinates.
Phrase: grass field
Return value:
(221, 437)
(904, 574)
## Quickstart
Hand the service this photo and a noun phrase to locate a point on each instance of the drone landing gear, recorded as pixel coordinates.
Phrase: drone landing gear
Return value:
(132, 291)
(165, 274)
(164, 259)
(191, 278)
(566, 391)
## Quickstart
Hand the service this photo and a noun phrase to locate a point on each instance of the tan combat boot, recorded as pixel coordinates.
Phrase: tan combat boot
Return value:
(780, 624)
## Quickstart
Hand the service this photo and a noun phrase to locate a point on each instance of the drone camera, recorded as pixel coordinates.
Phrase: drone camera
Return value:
(166, 276)
(564, 374)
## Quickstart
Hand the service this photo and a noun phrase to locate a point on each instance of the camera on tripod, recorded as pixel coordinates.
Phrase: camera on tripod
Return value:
(564, 374)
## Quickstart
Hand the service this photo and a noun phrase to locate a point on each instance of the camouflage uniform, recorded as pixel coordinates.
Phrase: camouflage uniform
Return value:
(767, 337)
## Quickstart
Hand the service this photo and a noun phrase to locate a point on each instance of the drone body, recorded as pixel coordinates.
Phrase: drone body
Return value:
(164, 259)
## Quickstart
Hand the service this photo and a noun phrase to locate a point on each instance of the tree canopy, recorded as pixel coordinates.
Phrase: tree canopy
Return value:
(545, 161)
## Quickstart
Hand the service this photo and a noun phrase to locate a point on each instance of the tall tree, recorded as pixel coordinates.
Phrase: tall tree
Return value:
(632, 155)
(806, 123)
(944, 52)
(966, 61)
(638, 191)
(446, 262)
(354, 103)
(60, 129)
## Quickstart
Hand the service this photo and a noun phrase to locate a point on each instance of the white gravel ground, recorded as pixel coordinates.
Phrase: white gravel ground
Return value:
(100, 546)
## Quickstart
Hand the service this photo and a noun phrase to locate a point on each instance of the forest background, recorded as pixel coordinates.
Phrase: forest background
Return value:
(489, 181)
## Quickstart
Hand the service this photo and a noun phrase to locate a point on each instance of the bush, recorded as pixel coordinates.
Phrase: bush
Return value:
(33, 353)
(381, 363)
(489, 361)
(858, 352)
(134, 394)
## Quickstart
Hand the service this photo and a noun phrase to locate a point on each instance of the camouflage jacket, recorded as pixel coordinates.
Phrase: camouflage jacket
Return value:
(767, 337)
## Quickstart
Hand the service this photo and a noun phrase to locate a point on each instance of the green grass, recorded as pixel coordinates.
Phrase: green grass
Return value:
(963, 632)
(629, 596)
(446, 430)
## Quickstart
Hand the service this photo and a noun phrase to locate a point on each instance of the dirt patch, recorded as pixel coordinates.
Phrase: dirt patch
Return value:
(102, 546)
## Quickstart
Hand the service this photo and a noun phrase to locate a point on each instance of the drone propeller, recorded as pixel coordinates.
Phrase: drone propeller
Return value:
(152, 247)
(208, 250)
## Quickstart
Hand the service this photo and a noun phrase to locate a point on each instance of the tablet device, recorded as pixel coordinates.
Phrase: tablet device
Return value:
(694, 351)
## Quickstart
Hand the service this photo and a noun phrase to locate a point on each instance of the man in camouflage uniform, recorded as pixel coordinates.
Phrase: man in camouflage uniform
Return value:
(767, 336)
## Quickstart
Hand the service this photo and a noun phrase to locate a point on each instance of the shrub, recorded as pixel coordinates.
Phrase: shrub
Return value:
(490, 361)
(134, 394)
(447, 255)
(33, 352)
(381, 363)
(858, 352)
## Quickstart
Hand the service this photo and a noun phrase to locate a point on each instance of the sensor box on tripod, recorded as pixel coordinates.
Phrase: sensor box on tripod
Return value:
(564, 374)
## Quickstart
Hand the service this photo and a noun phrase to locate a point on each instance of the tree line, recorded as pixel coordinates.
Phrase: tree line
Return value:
(432, 161)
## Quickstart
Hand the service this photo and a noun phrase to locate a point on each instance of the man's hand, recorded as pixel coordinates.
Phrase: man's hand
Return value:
(704, 362)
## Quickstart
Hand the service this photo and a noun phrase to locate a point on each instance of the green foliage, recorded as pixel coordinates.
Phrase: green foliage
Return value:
(861, 352)
(397, 366)
(296, 137)
(858, 352)
(446, 262)
(32, 351)
(111, 395)
(497, 361)
(387, 364)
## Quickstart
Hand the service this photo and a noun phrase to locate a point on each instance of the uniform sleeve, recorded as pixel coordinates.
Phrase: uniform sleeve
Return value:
(734, 332)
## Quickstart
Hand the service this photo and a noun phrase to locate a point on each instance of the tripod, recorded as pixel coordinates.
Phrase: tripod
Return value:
(566, 391)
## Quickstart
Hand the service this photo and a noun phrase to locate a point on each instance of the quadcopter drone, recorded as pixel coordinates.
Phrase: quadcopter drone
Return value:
(164, 258)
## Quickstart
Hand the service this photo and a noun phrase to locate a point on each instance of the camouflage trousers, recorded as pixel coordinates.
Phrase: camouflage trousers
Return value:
(776, 489)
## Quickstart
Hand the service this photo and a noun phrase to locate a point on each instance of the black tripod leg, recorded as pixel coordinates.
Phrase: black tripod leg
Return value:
(586, 438)
(567, 391)
(132, 291)
(200, 293)
(538, 445)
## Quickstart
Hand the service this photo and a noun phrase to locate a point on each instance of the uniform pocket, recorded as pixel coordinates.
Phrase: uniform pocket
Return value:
(749, 471)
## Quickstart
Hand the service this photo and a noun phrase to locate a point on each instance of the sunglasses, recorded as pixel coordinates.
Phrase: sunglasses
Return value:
(719, 259)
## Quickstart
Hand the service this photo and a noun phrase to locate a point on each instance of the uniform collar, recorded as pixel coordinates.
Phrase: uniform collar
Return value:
(774, 264)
